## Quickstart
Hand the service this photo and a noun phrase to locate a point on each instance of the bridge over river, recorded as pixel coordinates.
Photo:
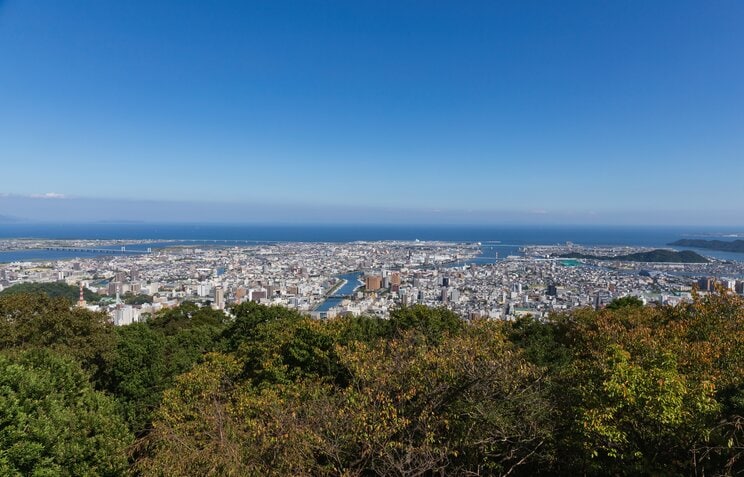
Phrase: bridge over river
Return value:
(351, 283)
(112, 251)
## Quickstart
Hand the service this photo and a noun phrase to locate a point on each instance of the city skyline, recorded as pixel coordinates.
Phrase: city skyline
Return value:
(372, 112)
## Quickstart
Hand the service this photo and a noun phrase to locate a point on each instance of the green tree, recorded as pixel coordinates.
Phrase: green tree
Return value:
(628, 390)
(196, 432)
(249, 317)
(136, 299)
(630, 301)
(52, 422)
(433, 323)
(290, 348)
(150, 355)
(643, 390)
(367, 329)
(185, 316)
(469, 403)
(138, 374)
(38, 321)
(53, 290)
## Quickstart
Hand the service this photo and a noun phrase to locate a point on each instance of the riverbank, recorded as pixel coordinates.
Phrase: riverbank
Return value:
(350, 284)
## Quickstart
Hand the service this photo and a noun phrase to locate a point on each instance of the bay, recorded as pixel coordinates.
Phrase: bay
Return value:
(504, 239)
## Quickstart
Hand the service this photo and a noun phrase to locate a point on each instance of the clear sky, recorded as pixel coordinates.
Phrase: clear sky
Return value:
(461, 111)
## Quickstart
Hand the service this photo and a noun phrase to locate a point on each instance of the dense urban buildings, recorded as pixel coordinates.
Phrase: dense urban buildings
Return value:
(332, 279)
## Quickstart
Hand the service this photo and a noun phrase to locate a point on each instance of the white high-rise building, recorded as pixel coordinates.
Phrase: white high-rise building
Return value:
(125, 315)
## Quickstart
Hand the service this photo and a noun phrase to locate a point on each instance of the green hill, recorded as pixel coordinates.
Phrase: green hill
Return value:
(659, 255)
(53, 289)
(736, 246)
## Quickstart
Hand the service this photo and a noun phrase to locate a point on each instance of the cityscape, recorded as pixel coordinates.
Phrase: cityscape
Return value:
(371, 238)
(326, 280)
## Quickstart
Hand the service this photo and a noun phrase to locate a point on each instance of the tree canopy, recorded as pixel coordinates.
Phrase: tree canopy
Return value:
(52, 421)
(265, 390)
(52, 289)
(29, 321)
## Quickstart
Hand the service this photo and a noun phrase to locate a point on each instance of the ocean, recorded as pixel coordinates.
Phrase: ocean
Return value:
(508, 238)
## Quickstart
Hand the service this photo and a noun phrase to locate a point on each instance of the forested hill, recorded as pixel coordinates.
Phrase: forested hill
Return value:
(53, 289)
(721, 245)
(628, 390)
(659, 255)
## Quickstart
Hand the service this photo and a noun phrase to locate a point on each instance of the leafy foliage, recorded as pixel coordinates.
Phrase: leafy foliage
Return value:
(627, 390)
(132, 299)
(38, 321)
(150, 355)
(186, 316)
(624, 301)
(432, 323)
(52, 422)
(139, 374)
(409, 408)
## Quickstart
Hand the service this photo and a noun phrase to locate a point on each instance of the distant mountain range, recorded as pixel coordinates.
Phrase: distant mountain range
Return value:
(659, 255)
(721, 245)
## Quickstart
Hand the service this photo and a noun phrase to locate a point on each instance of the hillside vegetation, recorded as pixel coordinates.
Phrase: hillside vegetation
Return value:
(628, 390)
(52, 289)
(659, 255)
(722, 245)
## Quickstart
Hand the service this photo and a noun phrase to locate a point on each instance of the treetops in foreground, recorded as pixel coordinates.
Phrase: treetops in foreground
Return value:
(628, 390)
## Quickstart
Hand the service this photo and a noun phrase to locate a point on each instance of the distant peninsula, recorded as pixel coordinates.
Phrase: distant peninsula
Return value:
(659, 255)
(736, 246)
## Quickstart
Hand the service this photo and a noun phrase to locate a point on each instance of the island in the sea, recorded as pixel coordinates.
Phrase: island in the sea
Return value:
(720, 245)
(658, 255)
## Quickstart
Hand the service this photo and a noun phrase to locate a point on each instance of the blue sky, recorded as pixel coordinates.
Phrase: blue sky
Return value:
(430, 111)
